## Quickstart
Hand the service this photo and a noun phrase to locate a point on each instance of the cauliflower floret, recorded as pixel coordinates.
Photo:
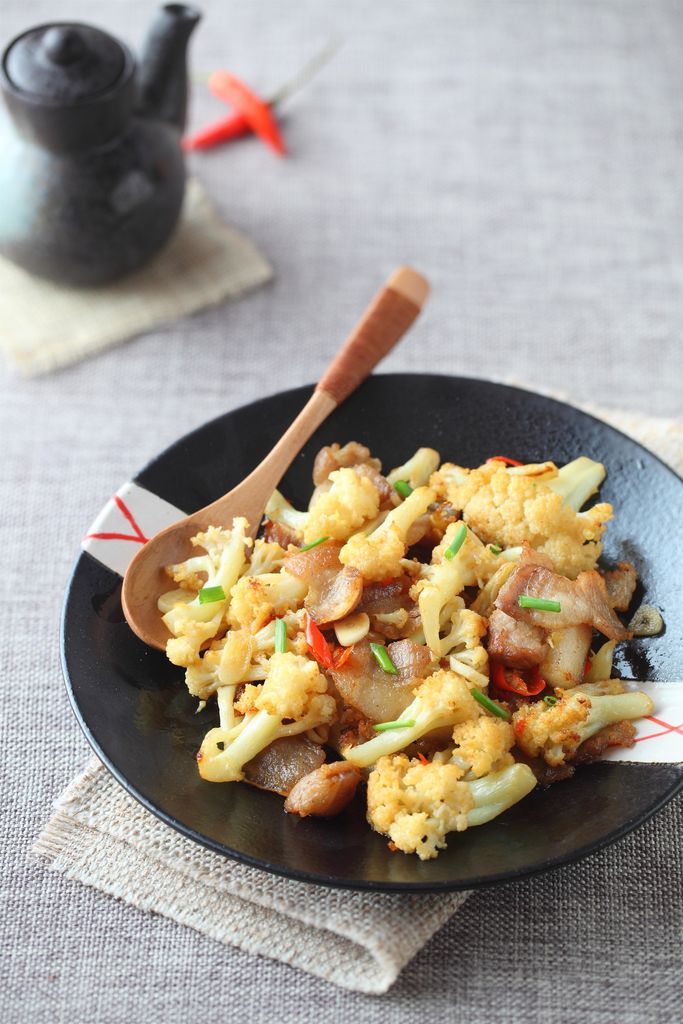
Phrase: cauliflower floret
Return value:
(233, 659)
(462, 642)
(483, 745)
(256, 599)
(442, 699)
(241, 657)
(227, 663)
(378, 556)
(337, 513)
(445, 578)
(264, 639)
(505, 507)
(451, 479)
(417, 804)
(184, 650)
(281, 511)
(291, 690)
(193, 623)
(555, 731)
(265, 557)
(191, 574)
(293, 699)
(418, 469)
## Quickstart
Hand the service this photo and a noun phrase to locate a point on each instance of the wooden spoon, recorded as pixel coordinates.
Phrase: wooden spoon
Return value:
(384, 323)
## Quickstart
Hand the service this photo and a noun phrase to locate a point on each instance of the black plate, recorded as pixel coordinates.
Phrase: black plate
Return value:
(136, 713)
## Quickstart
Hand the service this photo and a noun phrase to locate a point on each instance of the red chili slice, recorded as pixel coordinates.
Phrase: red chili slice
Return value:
(342, 655)
(255, 110)
(504, 458)
(317, 644)
(512, 682)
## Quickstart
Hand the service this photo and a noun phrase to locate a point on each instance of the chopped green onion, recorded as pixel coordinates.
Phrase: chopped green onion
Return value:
(457, 542)
(383, 659)
(207, 595)
(490, 705)
(539, 603)
(314, 544)
(403, 488)
(407, 723)
(280, 636)
(494, 549)
(550, 700)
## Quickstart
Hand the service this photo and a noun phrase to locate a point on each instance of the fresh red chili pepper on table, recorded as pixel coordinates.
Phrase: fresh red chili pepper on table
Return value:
(228, 128)
(254, 110)
(504, 458)
(512, 682)
(317, 644)
(236, 125)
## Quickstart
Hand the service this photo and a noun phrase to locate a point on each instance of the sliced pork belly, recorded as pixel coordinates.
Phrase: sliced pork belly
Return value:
(517, 644)
(621, 585)
(583, 601)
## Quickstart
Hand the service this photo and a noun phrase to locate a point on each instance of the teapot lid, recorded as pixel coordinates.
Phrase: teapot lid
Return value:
(64, 62)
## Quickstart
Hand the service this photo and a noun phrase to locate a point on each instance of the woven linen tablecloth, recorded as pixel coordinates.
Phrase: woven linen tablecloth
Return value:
(526, 156)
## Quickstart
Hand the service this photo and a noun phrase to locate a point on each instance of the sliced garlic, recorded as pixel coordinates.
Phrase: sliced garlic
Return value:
(352, 629)
(647, 621)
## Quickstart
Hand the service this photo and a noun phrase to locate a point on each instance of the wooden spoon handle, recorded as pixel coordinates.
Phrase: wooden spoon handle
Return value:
(381, 327)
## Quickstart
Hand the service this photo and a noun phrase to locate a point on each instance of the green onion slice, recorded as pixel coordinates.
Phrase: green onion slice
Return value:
(407, 723)
(403, 488)
(207, 595)
(539, 603)
(457, 542)
(494, 549)
(383, 660)
(550, 700)
(280, 636)
(490, 705)
(314, 544)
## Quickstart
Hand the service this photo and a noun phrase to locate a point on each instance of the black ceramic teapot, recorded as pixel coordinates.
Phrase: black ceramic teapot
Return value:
(91, 170)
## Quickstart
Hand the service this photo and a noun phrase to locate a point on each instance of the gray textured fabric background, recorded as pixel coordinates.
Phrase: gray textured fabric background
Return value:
(527, 156)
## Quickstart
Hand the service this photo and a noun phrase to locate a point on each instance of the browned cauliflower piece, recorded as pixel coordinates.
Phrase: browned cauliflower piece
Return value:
(507, 508)
(351, 501)
(483, 745)
(556, 731)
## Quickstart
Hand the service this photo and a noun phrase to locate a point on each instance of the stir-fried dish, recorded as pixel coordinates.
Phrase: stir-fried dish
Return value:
(443, 634)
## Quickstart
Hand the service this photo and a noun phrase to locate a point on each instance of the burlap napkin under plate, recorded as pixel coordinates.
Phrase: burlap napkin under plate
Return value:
(101, 837)
(45, 326)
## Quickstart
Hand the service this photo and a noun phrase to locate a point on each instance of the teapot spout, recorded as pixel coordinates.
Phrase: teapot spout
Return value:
(162, 74)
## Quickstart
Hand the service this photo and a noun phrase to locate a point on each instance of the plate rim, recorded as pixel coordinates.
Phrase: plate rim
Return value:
(305, 389)
(328, 881)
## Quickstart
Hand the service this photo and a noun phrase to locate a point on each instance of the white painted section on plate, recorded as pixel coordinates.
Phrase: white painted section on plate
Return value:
(125, 523)
(659, 737)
